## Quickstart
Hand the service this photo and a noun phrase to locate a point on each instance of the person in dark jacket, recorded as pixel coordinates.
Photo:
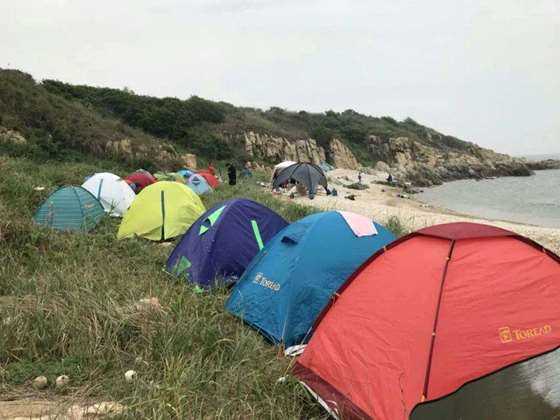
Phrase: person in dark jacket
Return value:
(232, 174)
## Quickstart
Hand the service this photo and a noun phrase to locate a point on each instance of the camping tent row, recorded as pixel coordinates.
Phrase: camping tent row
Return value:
(417, 327)
(73, 208)
(69, 208)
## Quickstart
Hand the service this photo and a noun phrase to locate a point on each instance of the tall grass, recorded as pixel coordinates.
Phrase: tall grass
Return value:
(67, 307)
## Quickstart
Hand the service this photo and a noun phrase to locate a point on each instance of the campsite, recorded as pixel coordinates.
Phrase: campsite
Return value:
(196, 304)
(285, 210)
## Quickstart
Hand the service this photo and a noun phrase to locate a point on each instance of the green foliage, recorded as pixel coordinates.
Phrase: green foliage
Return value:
(395, 225)
(54, 127)
(61, 119)
(172, 118)
(357, 186)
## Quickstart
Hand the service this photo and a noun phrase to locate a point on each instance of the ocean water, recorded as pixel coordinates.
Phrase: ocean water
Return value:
(534, 200)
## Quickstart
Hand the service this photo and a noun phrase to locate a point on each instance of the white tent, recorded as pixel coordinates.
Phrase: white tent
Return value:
(114, 194)
(280, 166)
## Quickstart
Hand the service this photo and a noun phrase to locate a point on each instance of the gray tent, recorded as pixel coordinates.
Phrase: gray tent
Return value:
(526, 390)
(305, 173)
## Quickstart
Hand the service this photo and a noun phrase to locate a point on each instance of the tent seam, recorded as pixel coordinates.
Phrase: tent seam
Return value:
(436, 320)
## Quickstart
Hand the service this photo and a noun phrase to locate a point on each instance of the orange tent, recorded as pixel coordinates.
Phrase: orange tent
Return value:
(211, 179)
(437, 309)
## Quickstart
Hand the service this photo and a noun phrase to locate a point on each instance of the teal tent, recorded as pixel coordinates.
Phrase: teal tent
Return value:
(70, 208)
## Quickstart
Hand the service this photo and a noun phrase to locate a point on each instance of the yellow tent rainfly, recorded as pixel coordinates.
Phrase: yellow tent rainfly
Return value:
(161, 211)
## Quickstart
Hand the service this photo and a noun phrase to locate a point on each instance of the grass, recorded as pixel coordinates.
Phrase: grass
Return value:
(67, 307)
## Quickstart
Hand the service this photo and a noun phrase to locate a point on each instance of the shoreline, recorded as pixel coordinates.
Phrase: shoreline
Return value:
(381, 203)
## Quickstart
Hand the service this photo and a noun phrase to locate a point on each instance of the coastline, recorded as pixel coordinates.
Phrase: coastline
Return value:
(381, 202)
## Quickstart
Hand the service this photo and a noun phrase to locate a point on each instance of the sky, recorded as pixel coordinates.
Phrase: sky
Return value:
(483, 71)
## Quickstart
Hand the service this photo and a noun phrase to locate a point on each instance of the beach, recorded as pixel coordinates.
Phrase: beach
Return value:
(381, 202)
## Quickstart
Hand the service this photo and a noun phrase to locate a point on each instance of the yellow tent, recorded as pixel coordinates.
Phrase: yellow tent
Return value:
(161, 211)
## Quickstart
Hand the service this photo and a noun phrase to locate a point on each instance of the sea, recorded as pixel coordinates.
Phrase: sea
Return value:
(532, 200)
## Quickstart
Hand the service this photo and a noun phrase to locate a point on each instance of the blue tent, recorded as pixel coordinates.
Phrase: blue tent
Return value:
(292, 279)
(222, 242)
(70, 208)
(185, 173)
(198, 184)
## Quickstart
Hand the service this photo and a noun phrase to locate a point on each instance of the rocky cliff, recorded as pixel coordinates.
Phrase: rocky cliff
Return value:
(56, 117)
(407, 159)
(543, 164)
(425, 165)
(274, 149)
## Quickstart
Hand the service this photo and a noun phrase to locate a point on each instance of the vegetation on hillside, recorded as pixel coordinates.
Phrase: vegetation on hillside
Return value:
(55, 127)
(203, 126)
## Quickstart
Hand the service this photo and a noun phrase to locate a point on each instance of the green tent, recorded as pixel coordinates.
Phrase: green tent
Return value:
(70, 208)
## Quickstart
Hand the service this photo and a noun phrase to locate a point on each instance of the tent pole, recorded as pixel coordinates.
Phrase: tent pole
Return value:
(436, 319)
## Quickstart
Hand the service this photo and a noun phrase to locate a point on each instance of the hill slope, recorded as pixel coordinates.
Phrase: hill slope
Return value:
(56, 115)
(33, 120)
(348, 139)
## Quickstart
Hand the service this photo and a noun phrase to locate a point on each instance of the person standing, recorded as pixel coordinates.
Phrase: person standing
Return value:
(232, 174)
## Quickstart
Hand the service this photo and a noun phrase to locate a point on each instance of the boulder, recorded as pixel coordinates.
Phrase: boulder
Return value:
(265, 147)
(382, 167)
(341, 156)
(11, 136)
(424, 164)
(189, 160)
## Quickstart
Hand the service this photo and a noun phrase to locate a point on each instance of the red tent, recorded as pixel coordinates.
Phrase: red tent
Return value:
(141, 179)
(209, 177)
(437, 309)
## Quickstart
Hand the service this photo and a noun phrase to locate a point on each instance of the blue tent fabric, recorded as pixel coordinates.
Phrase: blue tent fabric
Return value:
(198, 184)
(70, 209)
(292, 279)
(222, 242)
(185, 173)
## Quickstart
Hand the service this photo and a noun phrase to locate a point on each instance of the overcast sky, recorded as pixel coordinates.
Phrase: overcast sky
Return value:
(484, 71)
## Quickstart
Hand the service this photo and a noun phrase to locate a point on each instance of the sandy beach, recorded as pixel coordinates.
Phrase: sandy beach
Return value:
(381, 203)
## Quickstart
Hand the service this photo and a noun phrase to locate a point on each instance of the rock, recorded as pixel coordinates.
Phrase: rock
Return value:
(119, 147)
(11, 136)
(189, 160)
(425, 164)
(382, 167)
(62, 381)
(543, 164)
(341, 156)
(130, 375)
(100, 410)
(148, 305)
(40, 382)
(276, 149)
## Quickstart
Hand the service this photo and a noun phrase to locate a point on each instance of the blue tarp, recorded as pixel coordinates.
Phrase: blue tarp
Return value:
(292, 279)
(222, 242)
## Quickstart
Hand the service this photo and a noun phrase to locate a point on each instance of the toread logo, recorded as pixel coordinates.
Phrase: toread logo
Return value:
(507, 334)
(261, 280)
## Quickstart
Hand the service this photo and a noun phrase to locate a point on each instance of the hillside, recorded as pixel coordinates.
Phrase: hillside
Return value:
(35, 122)
(58, 116)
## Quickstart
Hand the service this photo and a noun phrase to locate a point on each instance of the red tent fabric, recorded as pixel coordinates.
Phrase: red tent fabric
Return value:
(435, 310)
(141, 179)
(210, 178)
